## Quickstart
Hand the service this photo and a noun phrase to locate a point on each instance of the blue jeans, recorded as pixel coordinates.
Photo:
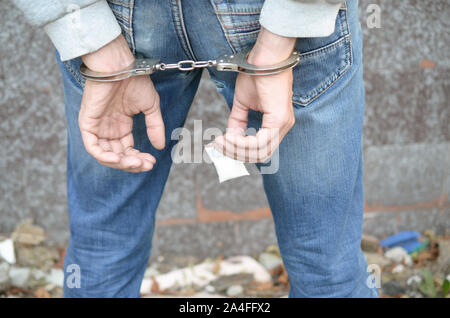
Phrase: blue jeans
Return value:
(316, 196)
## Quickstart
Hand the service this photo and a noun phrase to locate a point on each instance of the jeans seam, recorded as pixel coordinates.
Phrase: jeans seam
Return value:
(75, 74)
(226, 34)
(122, 3)
(178, 20)
(234, 11)
(243, 36)
(243, 25)
(349, 35)
(131, 29)
(238, 12)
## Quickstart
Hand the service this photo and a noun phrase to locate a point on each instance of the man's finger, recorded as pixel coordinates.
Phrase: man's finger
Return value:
(131, 159)
(134, 161)
(238, 119)
(147, 157)
(116, 146)
(249, 148)
(147, 163)
(155, 125)
(229, 150)
(130, 162)
(93, 148)
(147, 160)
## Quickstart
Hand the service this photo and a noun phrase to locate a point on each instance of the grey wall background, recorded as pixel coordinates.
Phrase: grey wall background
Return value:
(406, 141)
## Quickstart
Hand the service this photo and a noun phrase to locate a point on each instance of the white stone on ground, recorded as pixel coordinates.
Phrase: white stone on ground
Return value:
(202, 274)
(55, 277)
(234, 290)
(4, 276)
(19, 276)
(270, 261)
(7, 251)
(399, 254)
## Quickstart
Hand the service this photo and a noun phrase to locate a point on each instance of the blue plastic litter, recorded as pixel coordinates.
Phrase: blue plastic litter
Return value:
(409, 240)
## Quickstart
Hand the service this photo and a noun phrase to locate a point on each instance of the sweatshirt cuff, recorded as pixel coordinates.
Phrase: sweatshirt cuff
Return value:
(292, 18)
(83, 31)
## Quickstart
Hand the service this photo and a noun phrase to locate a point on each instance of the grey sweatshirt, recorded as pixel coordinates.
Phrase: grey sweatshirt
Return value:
(70, 23)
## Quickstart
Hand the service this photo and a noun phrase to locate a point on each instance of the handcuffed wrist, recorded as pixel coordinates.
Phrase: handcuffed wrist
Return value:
(271, 48)
(112, 57)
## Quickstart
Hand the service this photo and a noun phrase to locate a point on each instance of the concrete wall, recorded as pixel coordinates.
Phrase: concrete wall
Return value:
(406, 140)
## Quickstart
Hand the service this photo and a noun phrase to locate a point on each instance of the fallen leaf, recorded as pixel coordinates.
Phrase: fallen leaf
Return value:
(62, 255)
(426, 63)
(155, 287)
(283, 278)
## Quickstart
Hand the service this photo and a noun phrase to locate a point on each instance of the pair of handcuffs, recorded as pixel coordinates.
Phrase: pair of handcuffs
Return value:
(226, 62)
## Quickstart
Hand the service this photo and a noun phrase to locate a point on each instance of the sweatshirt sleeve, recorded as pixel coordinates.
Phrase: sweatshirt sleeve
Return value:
(300, 18)
(76, 27)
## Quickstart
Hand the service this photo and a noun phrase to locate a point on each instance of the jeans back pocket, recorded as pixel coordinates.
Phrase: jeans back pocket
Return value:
(323, 61)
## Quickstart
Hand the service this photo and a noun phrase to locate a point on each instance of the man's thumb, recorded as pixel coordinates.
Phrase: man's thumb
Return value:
(155, 127)
(238, 120)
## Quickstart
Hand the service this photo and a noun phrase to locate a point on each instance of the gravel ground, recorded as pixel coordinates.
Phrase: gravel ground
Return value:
(38, 272)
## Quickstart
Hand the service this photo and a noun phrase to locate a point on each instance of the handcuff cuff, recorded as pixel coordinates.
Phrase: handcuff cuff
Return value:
(226, 62)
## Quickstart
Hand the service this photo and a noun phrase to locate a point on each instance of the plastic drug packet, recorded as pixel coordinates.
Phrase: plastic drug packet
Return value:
(226, 167)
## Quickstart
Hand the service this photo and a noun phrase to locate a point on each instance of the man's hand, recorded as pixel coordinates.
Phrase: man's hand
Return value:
(107, 109)
(270, 94)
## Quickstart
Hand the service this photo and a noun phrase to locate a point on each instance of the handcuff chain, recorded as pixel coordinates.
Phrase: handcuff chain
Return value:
(182, 65)
(226, 62)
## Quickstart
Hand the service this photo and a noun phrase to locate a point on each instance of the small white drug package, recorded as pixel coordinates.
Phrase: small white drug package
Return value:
(226, 167)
